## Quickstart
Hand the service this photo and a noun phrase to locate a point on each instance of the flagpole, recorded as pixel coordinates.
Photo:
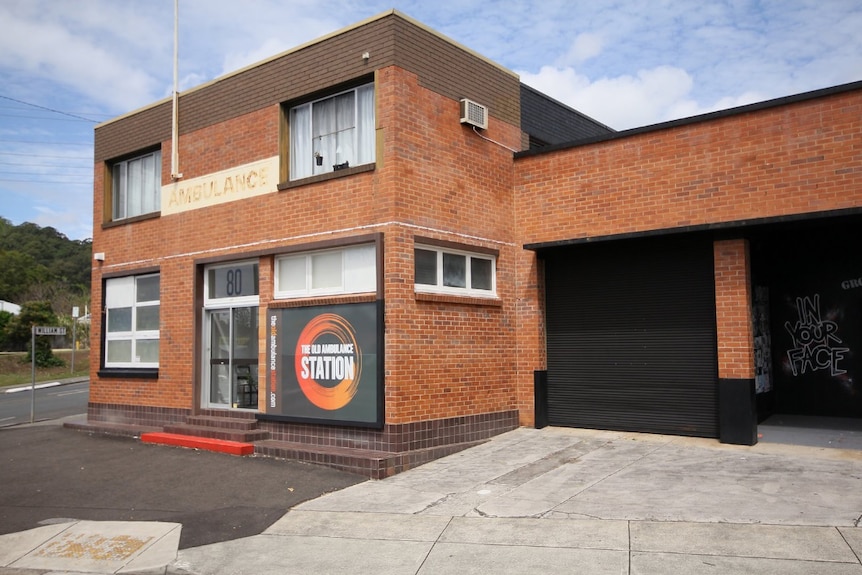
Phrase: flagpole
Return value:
(175, 127)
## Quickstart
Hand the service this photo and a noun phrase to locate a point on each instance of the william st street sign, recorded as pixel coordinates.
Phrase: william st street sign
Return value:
(48, 330)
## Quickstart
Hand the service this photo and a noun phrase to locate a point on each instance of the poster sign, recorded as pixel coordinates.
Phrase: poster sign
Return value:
(324, 364)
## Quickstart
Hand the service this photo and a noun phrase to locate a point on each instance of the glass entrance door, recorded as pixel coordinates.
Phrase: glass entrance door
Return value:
(231, 357)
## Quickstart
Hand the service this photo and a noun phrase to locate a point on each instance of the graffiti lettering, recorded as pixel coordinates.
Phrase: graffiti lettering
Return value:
(851, 283)
(814, 340)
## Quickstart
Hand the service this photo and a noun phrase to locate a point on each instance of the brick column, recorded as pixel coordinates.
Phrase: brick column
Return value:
(735, 339)
(733, 309)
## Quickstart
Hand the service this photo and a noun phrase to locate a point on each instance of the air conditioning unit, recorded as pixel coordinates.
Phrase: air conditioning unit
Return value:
(474, 114)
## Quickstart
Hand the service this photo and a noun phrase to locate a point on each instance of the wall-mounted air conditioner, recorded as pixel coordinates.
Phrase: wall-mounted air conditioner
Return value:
(474, 114)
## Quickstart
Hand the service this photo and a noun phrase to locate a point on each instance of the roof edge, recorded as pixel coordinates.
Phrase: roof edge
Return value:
(738, 110)
(696, 228)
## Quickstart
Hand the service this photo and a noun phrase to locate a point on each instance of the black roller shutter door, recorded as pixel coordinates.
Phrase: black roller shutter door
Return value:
(631, 337)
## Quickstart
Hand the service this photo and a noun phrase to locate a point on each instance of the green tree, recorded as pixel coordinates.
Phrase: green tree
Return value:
(18, 271)
(6, 318)
(32, 257)
(35, 313)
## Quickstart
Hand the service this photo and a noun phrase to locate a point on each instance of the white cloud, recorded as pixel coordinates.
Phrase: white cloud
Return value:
(621, 102)
(585, 46)
(53, 52)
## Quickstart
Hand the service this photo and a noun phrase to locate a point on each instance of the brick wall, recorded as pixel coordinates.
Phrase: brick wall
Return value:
(799, 158)
(733, 313)
(445, 356)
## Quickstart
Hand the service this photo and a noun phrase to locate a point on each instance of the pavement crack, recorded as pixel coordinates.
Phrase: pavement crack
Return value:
(856, 522)
(435, 503)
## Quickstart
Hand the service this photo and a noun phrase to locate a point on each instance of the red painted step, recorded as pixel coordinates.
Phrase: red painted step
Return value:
(206, 443)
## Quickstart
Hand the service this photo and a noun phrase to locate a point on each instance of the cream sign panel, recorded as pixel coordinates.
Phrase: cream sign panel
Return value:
(238, 183)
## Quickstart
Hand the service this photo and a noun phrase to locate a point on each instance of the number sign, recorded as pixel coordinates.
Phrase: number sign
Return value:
(232, 281)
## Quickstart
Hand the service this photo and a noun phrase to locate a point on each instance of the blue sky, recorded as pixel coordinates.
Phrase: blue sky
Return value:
(67, 65)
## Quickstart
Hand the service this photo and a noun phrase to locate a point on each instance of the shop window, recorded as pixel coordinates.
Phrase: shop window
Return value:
(332, 133)
(328, 272)
(440, 270)
(136, 185)
(132, 322)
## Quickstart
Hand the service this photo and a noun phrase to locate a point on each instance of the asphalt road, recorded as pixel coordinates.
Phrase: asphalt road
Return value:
(51, 402)
(49, 472)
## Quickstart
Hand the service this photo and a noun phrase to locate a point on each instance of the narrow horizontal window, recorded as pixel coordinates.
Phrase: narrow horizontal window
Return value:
(438, 270)
(328, 272)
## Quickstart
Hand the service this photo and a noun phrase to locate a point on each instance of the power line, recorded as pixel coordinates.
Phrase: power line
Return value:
(49, 109)
(75, 183)
(44, 118)
(2, 153)
(28, 165)
(46, 143)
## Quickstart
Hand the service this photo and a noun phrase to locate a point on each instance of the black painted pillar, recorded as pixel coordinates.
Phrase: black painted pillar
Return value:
(737, 411)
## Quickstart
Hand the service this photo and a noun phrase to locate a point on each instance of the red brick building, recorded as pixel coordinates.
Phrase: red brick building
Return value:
(408, 252)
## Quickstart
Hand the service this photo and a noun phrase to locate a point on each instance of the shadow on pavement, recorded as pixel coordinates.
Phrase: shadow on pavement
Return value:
(49, 473)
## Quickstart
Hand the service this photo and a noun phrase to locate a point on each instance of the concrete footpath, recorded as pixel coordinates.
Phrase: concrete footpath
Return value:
(542, 501)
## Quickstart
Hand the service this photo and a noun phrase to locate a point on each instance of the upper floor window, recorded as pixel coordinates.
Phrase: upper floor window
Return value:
(132, 321)
(327, 272)
(136, 186)
(453, 271)
(332, 133)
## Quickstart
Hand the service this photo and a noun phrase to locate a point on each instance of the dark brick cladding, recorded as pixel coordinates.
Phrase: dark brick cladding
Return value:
(553, 122)
(399, 437)
(441, 66)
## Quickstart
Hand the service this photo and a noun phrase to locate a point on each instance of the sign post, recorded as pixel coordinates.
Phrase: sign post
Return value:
(39, 330)
(75, 314)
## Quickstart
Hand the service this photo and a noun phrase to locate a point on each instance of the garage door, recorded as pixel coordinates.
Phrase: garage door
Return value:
(631, 337)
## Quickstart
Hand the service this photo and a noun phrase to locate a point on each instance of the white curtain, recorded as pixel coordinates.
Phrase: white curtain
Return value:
(119, 180)
(324, 130)
(150, 187)
(360, 269)
(366, 147)
(326, 270)
(301, 154)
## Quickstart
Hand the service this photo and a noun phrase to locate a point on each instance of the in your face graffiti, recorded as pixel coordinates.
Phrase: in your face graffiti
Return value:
(816, 344)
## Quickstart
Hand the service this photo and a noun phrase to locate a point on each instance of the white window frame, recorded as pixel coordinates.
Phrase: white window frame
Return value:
(127, 294)
(440, 288)
(305, 148)
(238, 301)
(146, 198)
(358, 272)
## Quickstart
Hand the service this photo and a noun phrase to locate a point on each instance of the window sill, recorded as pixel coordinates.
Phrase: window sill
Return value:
(132, 220)
(459, 299)
(128, 373)
(326, 177)
(323, 300)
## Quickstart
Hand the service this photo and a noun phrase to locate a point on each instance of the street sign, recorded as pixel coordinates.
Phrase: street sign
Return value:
(48, 330)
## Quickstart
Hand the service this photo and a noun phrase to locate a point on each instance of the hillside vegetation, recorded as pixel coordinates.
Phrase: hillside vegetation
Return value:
(41, 264)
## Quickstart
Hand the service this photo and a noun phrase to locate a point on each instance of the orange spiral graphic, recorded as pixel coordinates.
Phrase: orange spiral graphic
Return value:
(324, 397)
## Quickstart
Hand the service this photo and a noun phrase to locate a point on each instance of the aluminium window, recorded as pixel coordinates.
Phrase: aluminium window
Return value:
(327, 272)
(438, 270)
(332, 133)
(136, 186)
(132, 321)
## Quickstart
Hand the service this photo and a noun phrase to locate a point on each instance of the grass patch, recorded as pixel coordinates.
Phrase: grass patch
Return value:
(15, 371)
